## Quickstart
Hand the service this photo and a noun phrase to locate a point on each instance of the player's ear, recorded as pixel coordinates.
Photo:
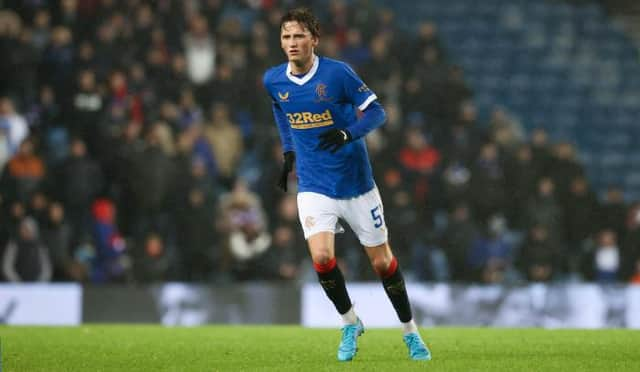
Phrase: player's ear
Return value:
(315, 41)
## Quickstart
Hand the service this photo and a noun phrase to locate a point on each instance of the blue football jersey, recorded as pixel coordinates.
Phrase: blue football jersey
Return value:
(327, 97)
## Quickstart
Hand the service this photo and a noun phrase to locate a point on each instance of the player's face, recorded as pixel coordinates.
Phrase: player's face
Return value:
(297, 43)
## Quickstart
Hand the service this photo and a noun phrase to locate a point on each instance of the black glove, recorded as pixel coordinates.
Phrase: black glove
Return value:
(334, 139)
(287, 166)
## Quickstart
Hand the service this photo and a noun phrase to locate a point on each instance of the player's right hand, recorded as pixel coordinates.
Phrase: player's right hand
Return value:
(287, 166)
(333, 139)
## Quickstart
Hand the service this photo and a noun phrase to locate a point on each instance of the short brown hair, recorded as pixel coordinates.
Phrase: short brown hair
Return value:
(304, 17)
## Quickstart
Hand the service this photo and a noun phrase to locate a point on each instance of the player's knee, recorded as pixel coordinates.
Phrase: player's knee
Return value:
(381, 264)
(322, 258)
(324, 264)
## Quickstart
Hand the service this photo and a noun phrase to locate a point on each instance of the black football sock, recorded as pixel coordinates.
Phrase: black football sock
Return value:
(393, 284)
(332, 281)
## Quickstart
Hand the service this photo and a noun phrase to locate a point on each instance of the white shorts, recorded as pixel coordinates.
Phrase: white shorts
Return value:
(364, 214)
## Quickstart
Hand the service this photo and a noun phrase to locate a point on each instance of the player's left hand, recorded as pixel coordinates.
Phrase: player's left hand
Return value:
(334, 139)
(287, 167)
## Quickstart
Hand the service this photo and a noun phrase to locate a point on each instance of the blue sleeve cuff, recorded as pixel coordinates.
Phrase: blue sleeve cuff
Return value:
(372, 117)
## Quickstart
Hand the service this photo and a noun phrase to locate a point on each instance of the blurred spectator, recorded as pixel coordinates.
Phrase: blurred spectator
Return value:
(383, 70)
(170, 83)
(38, 207)
(613, 212)
(418, 155)
(401, 214)
(86, 110)
(17, 212)
(200, 53)
(581, 214)
(227, 84)
(490, 255)
(110, 263)
(151, 264)
(25, 172)
(329, 47)
(57, 61)
(165, 137)
(85, 59)
(152, 181)
(226, 142)
(386, 24)
(419, 161)
(454, 94)
(505, 131)
(337, 21)
(67, 15)
(44, 115)
(243, 221)
(428, 37)
(488, 183)
(463, 138)
(521, 175)
(542, 157)
(543, 210)
(563, 169)
(26, 258)
(57, 233)
(79, 181)
(425, 85)
(539, 256)
(201, 254)
(189, 112)
(19, 65)
(355, 51)
(606, 258)
(120, 97)
(457, 239)
(127, 146)
(456, 183)
(13, 129)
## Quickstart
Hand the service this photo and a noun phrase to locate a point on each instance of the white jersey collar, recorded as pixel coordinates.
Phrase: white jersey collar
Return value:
(307, 76)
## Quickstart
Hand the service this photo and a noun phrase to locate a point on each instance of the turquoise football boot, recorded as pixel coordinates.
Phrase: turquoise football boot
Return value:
(417, 349)
(349, 344)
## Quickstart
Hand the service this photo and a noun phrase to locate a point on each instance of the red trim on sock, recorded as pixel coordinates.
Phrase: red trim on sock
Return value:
(393, 266)
(325, 268)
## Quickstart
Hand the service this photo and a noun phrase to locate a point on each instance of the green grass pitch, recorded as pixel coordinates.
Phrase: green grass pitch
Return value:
(291, 348)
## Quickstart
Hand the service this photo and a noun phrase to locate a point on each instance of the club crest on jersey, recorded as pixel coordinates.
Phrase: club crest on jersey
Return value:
(284, 97)
(321, 90)
(321, 93)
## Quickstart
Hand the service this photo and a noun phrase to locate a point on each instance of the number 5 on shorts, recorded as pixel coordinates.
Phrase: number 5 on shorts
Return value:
(377, 217)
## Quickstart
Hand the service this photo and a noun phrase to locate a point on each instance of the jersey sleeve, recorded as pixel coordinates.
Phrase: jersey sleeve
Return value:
(372, 117)
(280, 118)
(283, 127)
(357, 92)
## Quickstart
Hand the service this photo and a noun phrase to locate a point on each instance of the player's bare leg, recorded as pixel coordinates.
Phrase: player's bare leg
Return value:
(322, 249)
(386, 266)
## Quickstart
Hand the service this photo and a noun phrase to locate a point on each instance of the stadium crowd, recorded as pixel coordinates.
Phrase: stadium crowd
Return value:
(137, 145)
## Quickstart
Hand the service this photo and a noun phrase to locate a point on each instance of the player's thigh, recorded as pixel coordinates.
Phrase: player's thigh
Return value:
(365, 215)
(322, 246)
